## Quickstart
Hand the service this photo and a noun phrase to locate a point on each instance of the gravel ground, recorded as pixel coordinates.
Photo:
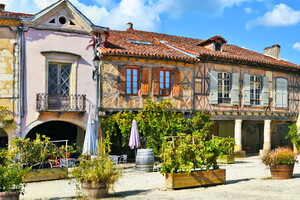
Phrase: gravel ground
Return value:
(246, 179)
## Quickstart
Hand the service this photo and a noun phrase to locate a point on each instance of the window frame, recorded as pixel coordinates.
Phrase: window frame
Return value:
(224, 99)
(132, 81)
(253, 90)
(165, 91)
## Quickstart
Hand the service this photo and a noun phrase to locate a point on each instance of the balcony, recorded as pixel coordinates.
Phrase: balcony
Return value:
(61, 102)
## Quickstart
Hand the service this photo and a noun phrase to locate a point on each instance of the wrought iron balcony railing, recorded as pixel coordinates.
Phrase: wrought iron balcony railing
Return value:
(60, 102)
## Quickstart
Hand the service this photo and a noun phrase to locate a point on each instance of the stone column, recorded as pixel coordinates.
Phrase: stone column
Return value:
(238, 135)
(267, 136)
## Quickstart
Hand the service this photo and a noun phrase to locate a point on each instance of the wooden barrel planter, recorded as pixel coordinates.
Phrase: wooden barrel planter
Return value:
(94, 191)
(195, 179)
(226, 159)
(282, 171)
(10, 195)
(144, 160)
(47, 174)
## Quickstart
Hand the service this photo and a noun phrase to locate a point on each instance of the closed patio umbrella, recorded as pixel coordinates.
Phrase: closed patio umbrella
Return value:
(134, 141)
(90, 139)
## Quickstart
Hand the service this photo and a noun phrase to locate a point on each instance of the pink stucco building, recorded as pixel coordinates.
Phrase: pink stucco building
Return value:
(58, 90)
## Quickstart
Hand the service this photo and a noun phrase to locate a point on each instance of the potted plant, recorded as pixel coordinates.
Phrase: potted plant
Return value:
(190, 161)
(97, 175)
(12, 173)
(36, 154)
(281, 162)
(226, 147)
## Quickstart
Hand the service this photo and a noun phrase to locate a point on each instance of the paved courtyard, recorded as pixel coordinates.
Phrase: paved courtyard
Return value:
(247, 179)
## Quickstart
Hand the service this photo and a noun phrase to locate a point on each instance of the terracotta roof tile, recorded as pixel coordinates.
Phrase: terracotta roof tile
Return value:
(13, 15)
(171, 47)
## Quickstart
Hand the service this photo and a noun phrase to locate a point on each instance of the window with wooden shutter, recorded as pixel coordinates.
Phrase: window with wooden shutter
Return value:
(155, 86)
(246, 92)
(265, 91)
(224, 88)
(122, 80)
(145, 81)
(165, 82)
(235, 89)
(281, 96)
(132, 80)
(213, 93)
(176, 85)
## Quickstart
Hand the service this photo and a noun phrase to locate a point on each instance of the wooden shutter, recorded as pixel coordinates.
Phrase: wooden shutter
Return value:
(285, 95)
(213, 94)
(176, 84)
(265, 91)
(155, 88)
(281, 98)
(122, 80)
(246, 89)
(235, 89)
(145, 81)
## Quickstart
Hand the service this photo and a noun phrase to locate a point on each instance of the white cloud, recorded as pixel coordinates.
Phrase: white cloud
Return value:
(281, 15)
(297, 46)
(144, 14)
(248, 10)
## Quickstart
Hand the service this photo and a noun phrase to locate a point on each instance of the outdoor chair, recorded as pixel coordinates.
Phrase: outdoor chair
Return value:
(123, 159)
(54, 163)
(114, 158)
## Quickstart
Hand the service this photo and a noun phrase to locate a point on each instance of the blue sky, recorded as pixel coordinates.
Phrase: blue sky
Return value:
(253, 24)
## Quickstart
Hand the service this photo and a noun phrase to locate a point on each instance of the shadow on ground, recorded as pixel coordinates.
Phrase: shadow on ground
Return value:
(128, 193)
(296, 175)
(237, 181)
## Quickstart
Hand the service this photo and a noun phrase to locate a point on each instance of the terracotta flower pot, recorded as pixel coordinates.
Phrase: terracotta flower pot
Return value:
(282, 171)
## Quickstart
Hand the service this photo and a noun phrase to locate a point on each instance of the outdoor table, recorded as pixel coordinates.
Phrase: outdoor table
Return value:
(67, 162)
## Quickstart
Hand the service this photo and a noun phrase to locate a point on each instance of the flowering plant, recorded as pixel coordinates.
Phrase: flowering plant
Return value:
(279, 156)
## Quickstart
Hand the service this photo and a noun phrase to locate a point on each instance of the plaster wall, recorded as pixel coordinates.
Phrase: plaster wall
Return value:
(36, 78)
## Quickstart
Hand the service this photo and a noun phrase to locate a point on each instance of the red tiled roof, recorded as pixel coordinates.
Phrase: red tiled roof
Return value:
(14, 15)
(172, 47)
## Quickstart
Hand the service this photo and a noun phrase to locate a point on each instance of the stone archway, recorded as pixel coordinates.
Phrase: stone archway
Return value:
(59, 130)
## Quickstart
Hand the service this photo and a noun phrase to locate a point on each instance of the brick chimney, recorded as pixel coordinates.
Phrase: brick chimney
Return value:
(2, 7)
(273, 51)
(129, 26)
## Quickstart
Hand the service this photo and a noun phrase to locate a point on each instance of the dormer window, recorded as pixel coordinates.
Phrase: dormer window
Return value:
(218, 46)
(214, 43)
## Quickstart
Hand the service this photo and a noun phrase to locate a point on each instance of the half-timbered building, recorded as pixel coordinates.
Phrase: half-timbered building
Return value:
(251, 96)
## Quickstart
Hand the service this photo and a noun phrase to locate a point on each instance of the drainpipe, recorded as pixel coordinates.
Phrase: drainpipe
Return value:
(21, 77)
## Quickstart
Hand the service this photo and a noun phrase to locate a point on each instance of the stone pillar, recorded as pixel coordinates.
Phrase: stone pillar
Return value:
(267, 137)
(238, 152)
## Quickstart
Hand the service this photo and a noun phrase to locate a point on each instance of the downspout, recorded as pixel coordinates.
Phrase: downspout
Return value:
(21, 77)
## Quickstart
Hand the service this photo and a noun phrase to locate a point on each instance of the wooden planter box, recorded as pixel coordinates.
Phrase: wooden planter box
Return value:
(47, 174)
(225, 159)
(195, 179)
